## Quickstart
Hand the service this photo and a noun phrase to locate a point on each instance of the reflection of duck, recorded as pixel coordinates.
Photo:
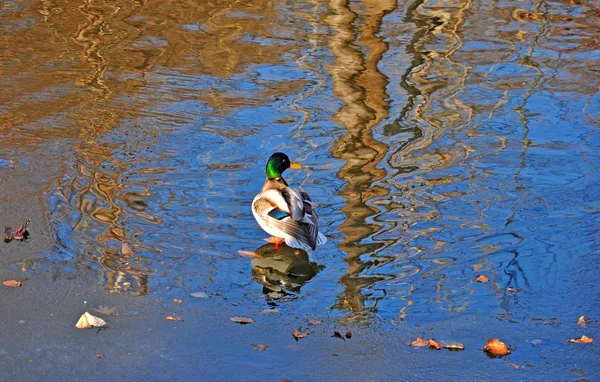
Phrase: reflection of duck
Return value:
(285, 212)
(282, 269)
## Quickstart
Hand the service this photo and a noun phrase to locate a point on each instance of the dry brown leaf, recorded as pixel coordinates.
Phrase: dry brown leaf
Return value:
(512, 365)
(338, 335)
(11, 283)
(496, 347)
(348, 335)
(99, 356)
(452, 345)
(434, 345)
(172, 318)
(513, 290)
(482, 279)
(582, 340)
(87, 321)
(178, 300)
(17, 233)
(126, 249)
(299, 334)
(419, 342)
(314, 321)
(242, 320)
(260, 347)
(248, 253)
(581, 321)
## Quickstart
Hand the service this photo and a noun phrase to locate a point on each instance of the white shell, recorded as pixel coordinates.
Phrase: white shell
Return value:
(87, 321)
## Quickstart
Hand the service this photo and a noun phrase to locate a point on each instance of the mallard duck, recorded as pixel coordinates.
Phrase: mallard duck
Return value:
(284, 212)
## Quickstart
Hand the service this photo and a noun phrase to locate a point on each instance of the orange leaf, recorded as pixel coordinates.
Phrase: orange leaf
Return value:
(482, 279)
(581, 321)
(314, 321)
(496, 347)
(100, 356)
(298, 334)
(178, 300)
(582, 340)
(12, 283)
(171, 318)
(434, 345)
(420, 342)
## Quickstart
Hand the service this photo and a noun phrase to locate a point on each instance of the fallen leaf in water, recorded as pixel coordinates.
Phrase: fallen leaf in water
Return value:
(126, 249)
(452, 345)
(581, 321)
(513, 290)
(298, 334)
(100, 356)
(314, 321)
(337, 334)
(582, 340)
(482, 279)
(495, 347)
(18, 233)
(419, 342)
(260, 347)
(348, 335)
(199, 295)
(178, 300)
(248, 253)
(87, 321)
(242, 320)
(172, 318)
(12, 283)
(434, 345)
(512, 365)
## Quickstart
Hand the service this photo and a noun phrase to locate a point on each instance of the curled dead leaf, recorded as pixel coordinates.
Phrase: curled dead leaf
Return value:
(299, 334)
(337, 334)
(495, 347)
(420, 342)
(99, 356)
(582, 340)
(482, 279)
(581, 321)
(87, 321)
(260, 347)
(348, 335)
(18, 233)
(242, 320)
(314, 321)
(11, 283)
(178, 300)
(452, 345)
(434, 345)
(126, 249)
(172, 318)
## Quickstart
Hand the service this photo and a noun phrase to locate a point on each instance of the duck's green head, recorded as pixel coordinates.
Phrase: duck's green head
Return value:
(277, 164)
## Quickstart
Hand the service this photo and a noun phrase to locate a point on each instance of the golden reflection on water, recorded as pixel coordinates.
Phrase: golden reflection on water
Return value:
(359, 84)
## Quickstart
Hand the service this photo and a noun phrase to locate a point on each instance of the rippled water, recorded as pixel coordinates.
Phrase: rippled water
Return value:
(440, 140)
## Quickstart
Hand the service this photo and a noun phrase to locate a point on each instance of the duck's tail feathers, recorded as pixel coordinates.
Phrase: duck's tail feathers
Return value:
(321, 239)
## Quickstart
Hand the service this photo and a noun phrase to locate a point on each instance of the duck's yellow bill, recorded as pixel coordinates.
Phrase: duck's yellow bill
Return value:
(295, 165)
